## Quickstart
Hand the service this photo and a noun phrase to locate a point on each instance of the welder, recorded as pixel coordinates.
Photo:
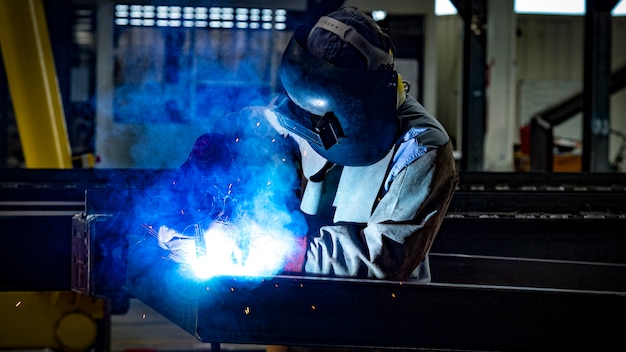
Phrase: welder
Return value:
(378, 170)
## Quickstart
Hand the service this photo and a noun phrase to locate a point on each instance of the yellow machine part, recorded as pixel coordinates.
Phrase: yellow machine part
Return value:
(60, 320)
(33, 84)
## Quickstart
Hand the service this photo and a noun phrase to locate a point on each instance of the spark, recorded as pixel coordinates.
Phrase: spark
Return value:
(247, 310)
(18, 303)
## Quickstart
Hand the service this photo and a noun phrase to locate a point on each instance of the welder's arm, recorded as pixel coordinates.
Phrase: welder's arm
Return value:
(400, 231)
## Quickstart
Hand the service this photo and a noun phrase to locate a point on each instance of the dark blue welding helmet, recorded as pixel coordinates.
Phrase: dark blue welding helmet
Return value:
(347, 115)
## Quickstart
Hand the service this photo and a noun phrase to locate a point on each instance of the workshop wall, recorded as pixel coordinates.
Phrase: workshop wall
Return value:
(550, 54)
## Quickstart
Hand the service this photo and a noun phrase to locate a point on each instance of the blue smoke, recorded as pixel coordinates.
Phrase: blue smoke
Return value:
(245, 177)
(239, 171)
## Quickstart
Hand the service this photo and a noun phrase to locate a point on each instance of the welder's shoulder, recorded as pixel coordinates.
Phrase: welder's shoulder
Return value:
(414, 116)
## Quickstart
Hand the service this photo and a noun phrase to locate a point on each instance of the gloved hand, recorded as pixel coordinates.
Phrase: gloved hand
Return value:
(223, 246)
(295, 262)
(180, 246)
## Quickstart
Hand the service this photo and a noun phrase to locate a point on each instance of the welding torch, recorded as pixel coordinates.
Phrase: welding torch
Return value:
(172, 236)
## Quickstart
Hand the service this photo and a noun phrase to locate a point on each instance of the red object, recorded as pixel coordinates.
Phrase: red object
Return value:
(295, 263)
(524, 136)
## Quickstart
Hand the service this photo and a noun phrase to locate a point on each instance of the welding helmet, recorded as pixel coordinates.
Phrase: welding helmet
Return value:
(341, 89)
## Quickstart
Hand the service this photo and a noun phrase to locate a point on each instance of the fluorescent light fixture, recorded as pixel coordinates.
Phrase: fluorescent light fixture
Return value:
(444, 7)
(556, 7)
(620, 8)
(188, 16)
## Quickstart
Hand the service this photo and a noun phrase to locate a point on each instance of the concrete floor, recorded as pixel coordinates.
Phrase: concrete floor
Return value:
(142, 328)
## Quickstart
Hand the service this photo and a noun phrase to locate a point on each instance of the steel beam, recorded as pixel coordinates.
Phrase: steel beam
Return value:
(474, 106)
(589, 240)
(541, 144)
(290, 310)
(527, 272)
(596, 96)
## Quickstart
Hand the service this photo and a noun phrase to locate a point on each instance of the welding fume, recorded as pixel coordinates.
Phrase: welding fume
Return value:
(343, 174)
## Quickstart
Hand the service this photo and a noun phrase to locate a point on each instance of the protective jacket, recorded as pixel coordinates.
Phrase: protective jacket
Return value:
(380, 220)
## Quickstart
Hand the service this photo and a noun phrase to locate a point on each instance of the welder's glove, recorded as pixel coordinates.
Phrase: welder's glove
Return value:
(338, 251)
(295, 261)
(180, 246)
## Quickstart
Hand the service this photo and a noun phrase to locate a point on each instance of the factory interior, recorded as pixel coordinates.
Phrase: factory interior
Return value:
(102, 100)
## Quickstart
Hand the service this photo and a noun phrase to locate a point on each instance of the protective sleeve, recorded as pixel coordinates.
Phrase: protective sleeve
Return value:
(400, 231)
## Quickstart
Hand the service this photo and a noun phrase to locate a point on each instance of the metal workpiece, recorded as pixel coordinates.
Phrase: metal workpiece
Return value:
(527, 272)
(313, 311)
(37, 207)
(500, 282)
(521, 262)
(98, 260)
(395, 314)
(544, 236)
